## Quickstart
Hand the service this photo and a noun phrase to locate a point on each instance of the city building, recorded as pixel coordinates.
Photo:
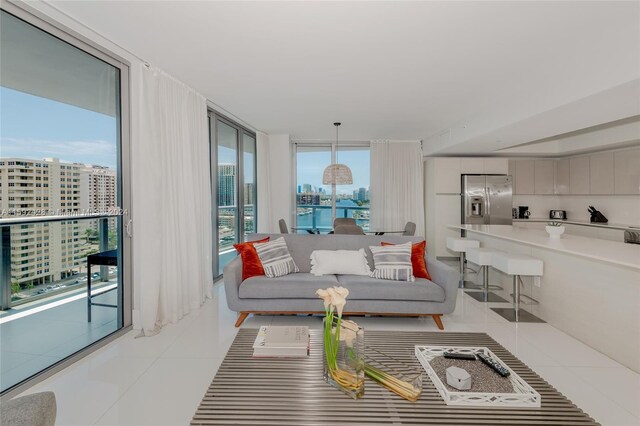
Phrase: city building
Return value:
(308, 199)
(226, 184)
(43, 253)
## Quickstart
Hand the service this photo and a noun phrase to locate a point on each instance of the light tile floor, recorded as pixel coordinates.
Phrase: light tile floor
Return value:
(160, 380)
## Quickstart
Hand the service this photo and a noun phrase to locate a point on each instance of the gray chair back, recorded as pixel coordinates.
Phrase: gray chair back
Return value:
(349, 230)
(409, 229)
(283, 226)
(343, 221)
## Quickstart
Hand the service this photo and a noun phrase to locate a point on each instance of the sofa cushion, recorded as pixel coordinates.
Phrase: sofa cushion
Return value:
(366, 288)
(301, 285)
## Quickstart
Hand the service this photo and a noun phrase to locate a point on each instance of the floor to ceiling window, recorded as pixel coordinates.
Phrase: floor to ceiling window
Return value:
(63, 265)
(315, 202)
(233, 163)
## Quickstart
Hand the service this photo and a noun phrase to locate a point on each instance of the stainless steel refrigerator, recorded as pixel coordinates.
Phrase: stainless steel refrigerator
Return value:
(487, 199)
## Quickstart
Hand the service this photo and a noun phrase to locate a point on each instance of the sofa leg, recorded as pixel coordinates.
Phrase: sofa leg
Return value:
(241, 317)
(438, 320)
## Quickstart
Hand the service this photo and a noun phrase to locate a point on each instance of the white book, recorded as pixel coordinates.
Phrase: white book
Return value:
(275, 341)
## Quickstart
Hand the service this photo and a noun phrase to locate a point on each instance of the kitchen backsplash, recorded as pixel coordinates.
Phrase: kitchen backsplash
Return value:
(622, 209)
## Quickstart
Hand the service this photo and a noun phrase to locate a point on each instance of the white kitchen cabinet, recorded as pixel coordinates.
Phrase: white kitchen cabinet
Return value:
(543, 177)
(524, 177)
(562, 177)
(447, 175)
(579, 181)
(496, 166)
(601, 173)
(472, 166)
(627, 171)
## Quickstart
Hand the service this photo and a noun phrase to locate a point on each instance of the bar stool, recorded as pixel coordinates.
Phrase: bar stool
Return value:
(483, 257)
(517, 265)
(461, 245)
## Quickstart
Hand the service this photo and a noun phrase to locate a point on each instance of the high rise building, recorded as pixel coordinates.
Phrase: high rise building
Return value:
(226, 184)
(307, 188)
(299, 189)
(42, 252)
(362, 194)
(100, 184)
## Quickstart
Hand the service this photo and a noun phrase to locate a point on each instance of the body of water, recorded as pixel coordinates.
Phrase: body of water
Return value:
(322, 216)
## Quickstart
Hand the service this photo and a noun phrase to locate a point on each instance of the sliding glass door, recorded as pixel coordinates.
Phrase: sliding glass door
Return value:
(233, 160)
(64, 257)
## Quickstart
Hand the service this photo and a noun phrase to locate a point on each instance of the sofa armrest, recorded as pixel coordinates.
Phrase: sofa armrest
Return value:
(232, 276)
(447, 278)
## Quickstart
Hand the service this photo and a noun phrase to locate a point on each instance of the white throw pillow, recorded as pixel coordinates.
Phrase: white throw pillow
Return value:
(351, 262)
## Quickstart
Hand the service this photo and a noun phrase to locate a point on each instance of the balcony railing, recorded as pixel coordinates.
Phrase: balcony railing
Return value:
(41, 280)
(318, 218)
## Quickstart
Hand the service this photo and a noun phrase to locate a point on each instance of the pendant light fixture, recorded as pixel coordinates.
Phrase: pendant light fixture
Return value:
(337, 174)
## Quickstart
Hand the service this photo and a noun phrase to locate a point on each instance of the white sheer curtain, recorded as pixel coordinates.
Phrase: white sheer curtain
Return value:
(172, 247)
(397, 195)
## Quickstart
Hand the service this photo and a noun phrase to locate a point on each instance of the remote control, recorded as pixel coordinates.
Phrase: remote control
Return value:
(451, 355)
(495, 365)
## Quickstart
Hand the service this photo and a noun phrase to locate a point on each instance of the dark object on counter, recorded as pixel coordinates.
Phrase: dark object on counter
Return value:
(514, 213)
(596, 216)
(558, 214)
(632, 237)
(523, 212)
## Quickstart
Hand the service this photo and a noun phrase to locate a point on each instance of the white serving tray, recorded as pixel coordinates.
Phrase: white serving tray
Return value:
(523, 396)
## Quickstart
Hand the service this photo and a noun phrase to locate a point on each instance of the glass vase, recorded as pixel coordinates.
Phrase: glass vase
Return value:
(404, 378)
(344, 356)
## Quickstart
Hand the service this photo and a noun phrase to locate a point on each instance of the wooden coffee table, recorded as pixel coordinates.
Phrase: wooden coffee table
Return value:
(248, 391)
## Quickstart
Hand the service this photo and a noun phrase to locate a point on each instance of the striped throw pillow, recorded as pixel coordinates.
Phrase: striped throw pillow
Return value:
(392, 262)
(275, 258)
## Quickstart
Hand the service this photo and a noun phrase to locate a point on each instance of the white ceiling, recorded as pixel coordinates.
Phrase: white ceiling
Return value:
(400, 70)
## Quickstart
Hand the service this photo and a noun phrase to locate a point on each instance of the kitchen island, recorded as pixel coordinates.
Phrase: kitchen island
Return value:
(590, 287)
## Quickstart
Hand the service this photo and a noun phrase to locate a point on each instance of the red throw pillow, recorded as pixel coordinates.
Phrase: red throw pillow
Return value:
(251, 265)
(417, 259)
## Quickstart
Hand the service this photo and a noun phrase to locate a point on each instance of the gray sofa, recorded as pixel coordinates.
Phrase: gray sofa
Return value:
(295, 293)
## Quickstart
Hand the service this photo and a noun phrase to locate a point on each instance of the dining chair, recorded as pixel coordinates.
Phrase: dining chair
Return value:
(343, 221)
(283, 226)
(409, 229)
(348, 229)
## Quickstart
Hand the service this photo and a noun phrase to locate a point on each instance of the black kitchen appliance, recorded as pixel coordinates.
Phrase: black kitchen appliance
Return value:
(558, 214)
(523, 212)
(596, 216)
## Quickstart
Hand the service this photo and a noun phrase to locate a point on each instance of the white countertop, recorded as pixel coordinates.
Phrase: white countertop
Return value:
(583, 223)
(615, 252)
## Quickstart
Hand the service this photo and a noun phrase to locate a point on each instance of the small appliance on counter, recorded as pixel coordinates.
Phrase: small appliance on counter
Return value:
(596, 216)
(558, 214)
(514, 213)
(632, 237)
(523, 212)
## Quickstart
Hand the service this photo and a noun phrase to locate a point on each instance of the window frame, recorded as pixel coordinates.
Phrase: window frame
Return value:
(49, 25)
(215, 117)
(294, 169)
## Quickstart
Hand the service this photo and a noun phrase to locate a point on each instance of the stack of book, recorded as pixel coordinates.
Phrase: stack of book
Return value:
(281, 342)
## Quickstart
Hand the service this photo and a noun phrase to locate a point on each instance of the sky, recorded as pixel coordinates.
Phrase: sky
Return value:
(311, 165)
(35, 127)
